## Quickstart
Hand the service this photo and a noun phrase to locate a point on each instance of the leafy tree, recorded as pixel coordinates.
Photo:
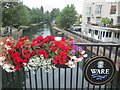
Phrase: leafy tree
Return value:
(47, 17)
(23, 15)
(54, 13)
(37, 15)
(10, 4)
(105, 21)
(15, 13)
(42, 9)
(8, 14)
(67, 17)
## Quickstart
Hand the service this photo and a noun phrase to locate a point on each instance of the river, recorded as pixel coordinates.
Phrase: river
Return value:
(35, 31)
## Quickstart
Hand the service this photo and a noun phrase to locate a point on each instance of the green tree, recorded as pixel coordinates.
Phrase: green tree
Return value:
(8, 12)
(37, 15)
(15, 13)
(47, 17)
(105, 21)
(54, 13)
(67, 17)
(22, 15)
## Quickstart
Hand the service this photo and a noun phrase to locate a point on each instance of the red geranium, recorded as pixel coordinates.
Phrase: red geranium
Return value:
(26, 56)
(9, 43)
(54, 61)
(10, 51)
(61, 62)
(25, 51)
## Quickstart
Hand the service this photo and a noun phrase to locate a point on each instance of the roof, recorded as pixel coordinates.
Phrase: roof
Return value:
(103, 28)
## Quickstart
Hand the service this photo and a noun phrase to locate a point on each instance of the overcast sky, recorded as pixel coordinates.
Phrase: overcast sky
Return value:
(50, 4)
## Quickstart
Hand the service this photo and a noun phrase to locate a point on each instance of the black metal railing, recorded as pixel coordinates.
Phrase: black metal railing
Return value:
(64, 78)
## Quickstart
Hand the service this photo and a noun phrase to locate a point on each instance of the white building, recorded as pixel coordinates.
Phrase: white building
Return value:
(94, 11)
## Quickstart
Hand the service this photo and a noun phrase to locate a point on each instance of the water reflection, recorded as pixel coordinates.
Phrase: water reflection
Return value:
(33, 32)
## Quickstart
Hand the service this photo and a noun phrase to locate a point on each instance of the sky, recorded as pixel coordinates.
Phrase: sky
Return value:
(50, 4)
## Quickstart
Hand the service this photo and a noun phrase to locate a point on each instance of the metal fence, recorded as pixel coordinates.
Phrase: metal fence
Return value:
(66, 78)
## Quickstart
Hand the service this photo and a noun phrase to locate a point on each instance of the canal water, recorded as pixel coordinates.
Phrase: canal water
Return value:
(35, 31)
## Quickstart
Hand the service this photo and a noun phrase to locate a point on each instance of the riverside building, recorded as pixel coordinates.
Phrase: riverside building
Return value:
(93, 12)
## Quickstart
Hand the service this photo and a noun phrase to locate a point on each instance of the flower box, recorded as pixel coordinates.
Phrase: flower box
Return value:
(49, 52)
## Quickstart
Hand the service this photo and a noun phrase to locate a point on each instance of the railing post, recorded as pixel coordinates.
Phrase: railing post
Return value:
(0, 79)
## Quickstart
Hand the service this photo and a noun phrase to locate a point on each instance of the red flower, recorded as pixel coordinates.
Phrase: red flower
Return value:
(44, 52)
(16, 68)
(40, 37)
(24, 61)
(9, 43)
(64, 57)
(14, 47)
(53, 49)
(33, 52)
(34, 40)
(61, 62)
(26, 56)
(26, 46)
(40, 51)
(54, 61)
(17, 53)
(63, 39)
(69, 39)
(25, 51)
(20, 39)
(25, 37)
(48, 38)
(57, 57)
(62, 53)
(10, 51)
(45, 55)
(33, 44)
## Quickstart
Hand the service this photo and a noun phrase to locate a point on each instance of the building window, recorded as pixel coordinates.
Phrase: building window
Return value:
(98, 9)
(88, 10)
(118, 20)
(103, 33)
(96, 32)
(88, 19)
(110, 34)
(115, 35)
(107, 34)
(118, 35)
(113, 9)
(98, 20)
(89, 30)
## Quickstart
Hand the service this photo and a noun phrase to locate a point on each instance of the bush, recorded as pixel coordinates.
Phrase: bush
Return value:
(114, 26)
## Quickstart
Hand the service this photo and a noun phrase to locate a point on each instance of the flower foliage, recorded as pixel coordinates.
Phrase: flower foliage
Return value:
(39, 52)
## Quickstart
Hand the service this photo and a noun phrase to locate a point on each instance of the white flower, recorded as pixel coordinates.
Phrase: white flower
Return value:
(6, 66)
(7, 47)
(78, 60)
(1, 63)
(73, 57)
(58, 38)
(8, 39)
(85, 55)
(2, 58)
(9, 70)
(82, 52)
(1, 43)
(24, 64)
(71, 64)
